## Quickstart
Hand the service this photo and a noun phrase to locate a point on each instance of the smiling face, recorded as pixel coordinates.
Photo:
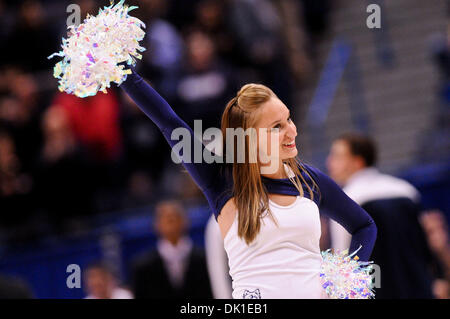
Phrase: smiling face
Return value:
(274, 125)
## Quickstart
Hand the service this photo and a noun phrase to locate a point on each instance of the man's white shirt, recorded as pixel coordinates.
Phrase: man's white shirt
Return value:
(365, 186)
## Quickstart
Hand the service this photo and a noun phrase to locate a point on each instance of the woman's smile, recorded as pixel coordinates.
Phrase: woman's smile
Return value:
(289, 145)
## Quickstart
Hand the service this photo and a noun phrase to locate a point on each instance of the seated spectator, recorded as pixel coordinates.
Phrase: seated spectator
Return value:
(33, 31)
(102, 284)
(7, 19)
(15, 185)
(20, 112)
(212, 19)
(175, 269)
(206, 83)
(94, 122)
(64, 190)
(163, 57)
(141, 141)
(257, 27)
(179, 183)
(141, 191)
(181, 13)
(440, 50)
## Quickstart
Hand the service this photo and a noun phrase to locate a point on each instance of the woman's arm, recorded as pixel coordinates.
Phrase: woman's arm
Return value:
(160, 112)
(341, 208)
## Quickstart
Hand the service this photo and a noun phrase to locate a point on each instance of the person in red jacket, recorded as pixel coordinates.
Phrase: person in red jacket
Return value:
(95, 123)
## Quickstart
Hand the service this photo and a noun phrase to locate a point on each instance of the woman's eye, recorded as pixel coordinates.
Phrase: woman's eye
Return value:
(278, 126)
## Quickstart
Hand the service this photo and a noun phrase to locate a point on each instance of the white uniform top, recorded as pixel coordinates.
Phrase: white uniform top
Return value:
(283, 261)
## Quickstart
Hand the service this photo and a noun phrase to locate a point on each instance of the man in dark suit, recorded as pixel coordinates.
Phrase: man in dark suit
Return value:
(175, 269)
(401, 250)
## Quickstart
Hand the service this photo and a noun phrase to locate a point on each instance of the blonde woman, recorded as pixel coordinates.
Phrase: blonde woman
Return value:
(269, 219)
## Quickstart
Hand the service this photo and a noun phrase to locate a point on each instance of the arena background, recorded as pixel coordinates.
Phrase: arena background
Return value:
(84, 191)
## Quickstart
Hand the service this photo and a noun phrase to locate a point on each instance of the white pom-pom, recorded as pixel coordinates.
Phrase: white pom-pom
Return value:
(344, 277)
(94, 49)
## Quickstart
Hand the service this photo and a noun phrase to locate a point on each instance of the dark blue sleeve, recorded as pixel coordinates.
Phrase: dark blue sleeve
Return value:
(160, 112)
(338, 206)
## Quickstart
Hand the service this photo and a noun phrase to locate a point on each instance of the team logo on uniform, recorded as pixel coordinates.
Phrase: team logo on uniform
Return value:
(255, 294)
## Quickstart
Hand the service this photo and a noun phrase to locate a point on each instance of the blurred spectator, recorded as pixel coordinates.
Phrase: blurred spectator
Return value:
(436, 229)
(64, 188)
(164, 54)
(440, 50)
(297, 42)
(257, 26)
(95, 123)
(20, 113)
(7, 20)
(315, 16)
(205, 84)
(142, 140)
(180, 184)
(401, 250)
(14, 288)
(176, 269)
(34, 32)
(182, 13)
(102, 284)
(88, 7)
(212, 18)
(435, 144)
(15, 185)
(141, 190)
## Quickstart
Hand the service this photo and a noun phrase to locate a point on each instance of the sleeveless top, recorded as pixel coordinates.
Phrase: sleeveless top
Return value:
(283, 261)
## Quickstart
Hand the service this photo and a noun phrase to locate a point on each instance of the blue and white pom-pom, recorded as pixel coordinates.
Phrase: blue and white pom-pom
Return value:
(94, 49)
(343, 276)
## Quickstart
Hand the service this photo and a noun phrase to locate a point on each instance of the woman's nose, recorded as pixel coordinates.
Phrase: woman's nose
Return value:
(292, 131)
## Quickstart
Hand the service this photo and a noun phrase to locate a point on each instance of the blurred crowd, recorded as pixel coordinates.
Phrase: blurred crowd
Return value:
(64, 159)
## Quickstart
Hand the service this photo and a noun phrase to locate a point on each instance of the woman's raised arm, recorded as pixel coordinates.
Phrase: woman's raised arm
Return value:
(160, 112)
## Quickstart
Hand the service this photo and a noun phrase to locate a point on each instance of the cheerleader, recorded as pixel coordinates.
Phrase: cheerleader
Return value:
(270, 222)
